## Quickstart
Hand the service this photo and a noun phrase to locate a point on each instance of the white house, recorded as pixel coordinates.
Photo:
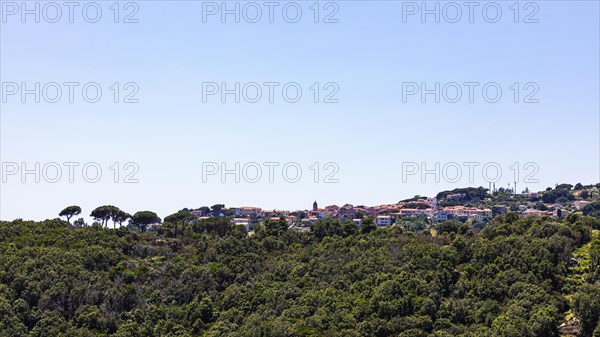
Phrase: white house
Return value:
(429, 201)
(384, 220)
(479, 217)
(534, 212)
(308, 221)
(416, 212)
(443, 216)
(579, 204)
(242, 221)
(198, 212)
(247, 211)
(319, 214)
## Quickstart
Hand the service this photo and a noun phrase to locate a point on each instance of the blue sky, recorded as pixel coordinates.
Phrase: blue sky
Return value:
(368, 135)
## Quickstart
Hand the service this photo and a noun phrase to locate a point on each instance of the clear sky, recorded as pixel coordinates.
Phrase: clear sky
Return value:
(366, 57)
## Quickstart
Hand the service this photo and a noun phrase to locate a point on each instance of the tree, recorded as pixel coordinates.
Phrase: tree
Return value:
(592, 209)
(70, 212)
(543, 322)
(180, 218)
(219, 226)
(368, 225)
(107, 212)
(103, 214)
(447, 227)
(119, 216)
(551, 196)
(79, 223)
(567, 187)
(216, 209)
(142, 219)
(586, 304)
(276, 228)
(349, 228)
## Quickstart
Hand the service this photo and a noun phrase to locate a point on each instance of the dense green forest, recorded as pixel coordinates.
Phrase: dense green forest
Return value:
(517, 277)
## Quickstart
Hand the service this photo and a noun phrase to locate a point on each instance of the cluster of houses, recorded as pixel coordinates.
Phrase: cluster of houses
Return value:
(554, 210)
(384, 215)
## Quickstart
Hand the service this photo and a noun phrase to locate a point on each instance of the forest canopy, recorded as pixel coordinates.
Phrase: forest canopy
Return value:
(516, 277)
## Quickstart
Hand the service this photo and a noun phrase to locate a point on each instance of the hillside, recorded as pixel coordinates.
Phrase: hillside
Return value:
(513, 278)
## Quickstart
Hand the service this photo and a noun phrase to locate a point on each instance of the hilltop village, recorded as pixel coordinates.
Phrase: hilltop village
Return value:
(446, 265)
(468, 205)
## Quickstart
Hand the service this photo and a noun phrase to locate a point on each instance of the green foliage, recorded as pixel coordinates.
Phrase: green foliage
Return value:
(103, 214)
(592, 209)
(119, 216)
(448, 227)
(276, 228)
(180, 219)
(332, 227)
(561, 192)
(586, 304)
(70, 211)
(209, 278)
(368, 225)
(469, 192)
(142, 219)
(566, 187)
